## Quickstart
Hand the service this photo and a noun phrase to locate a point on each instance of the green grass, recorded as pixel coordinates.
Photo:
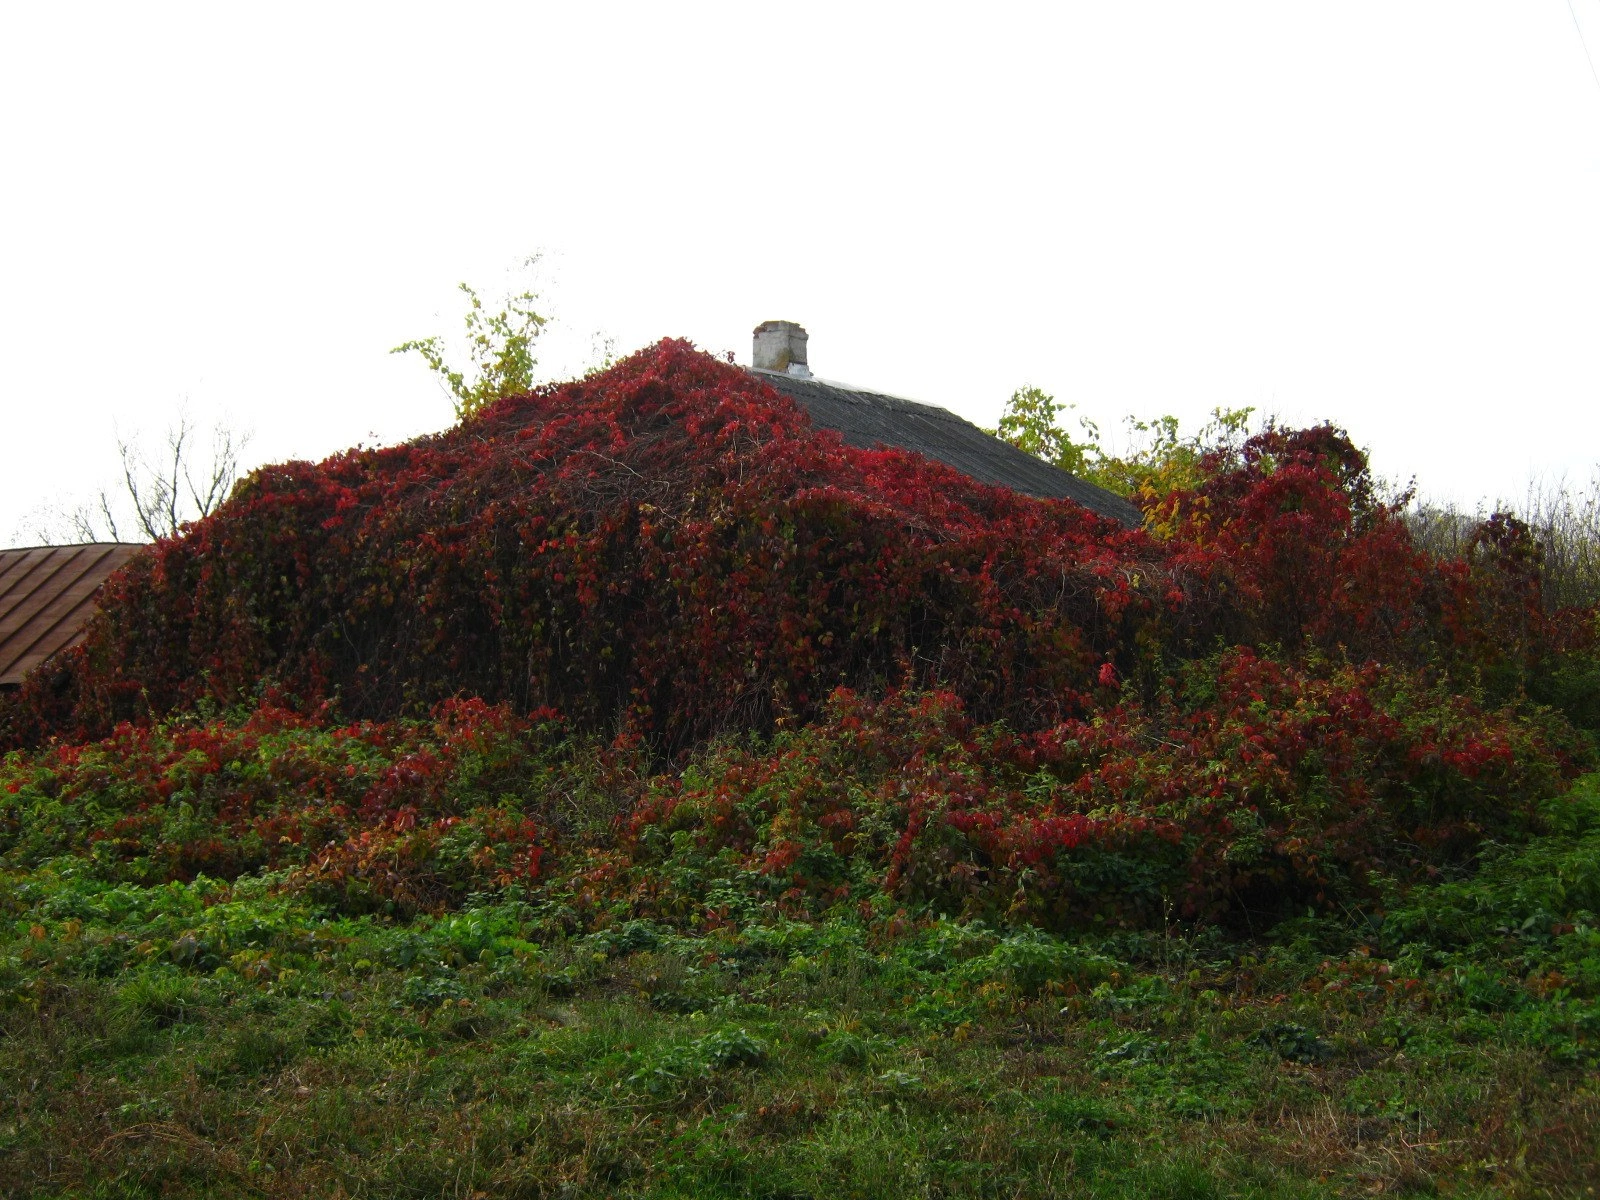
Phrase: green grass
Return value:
(203, 1040)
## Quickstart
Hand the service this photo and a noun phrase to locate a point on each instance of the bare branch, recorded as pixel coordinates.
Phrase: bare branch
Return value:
(167, 495)
(86, 521)
(220, 473)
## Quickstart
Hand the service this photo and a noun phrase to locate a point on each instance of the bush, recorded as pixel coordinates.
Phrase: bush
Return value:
(397, 816)
(1253, 785)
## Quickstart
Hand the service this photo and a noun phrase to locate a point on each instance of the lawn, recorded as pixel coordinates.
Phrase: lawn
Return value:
(206, 1039)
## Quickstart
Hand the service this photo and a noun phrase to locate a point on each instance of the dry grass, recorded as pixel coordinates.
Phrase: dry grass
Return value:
(1564, 519)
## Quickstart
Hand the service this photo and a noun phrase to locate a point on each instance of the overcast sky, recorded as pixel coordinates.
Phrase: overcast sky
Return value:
(1382, 213)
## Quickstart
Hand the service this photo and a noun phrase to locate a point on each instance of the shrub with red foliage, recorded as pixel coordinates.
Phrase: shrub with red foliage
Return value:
(667, 547)
(398, 816)
(1497, 616)
(1314, 555)
(1251, 785)
(1292, 523)
(1254, 786)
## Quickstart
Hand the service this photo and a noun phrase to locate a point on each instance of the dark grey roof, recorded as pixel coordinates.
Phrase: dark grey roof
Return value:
(868, 419)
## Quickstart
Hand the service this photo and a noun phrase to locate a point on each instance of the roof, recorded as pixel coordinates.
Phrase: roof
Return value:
(868, 419)
(47, 596)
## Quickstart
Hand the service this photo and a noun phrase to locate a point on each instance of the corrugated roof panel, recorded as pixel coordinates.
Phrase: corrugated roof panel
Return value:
(47, 594)
(868, 419)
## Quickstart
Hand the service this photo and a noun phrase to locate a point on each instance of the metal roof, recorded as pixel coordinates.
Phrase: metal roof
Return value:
(868, 419)
(46, 597)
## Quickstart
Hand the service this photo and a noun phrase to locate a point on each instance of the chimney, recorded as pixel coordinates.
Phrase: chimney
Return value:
(780, 346)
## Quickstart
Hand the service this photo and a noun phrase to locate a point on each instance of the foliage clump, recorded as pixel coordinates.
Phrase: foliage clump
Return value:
(398, 817)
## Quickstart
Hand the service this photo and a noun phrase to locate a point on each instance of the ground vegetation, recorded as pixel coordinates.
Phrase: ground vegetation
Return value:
(635, 791)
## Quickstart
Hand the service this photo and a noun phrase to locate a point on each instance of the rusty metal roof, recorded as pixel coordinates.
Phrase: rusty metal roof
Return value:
(47, 596)
(868, 419)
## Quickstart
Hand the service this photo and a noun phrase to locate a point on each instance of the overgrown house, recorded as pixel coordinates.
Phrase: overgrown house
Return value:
(47, 593)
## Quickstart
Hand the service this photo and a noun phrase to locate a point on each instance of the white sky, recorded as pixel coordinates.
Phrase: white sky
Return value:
(1385, 213)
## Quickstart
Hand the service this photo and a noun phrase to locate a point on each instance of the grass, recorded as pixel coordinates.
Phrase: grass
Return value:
(200, 1041)
(211, 1039)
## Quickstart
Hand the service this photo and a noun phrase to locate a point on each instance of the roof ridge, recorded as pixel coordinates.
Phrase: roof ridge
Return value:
(837, 385)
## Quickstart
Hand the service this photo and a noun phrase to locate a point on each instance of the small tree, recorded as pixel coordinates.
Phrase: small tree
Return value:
(499, 346)
(1159, 459)
(1029, 423)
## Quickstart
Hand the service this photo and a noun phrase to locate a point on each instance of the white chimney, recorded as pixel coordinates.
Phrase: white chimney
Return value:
(780, 346)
